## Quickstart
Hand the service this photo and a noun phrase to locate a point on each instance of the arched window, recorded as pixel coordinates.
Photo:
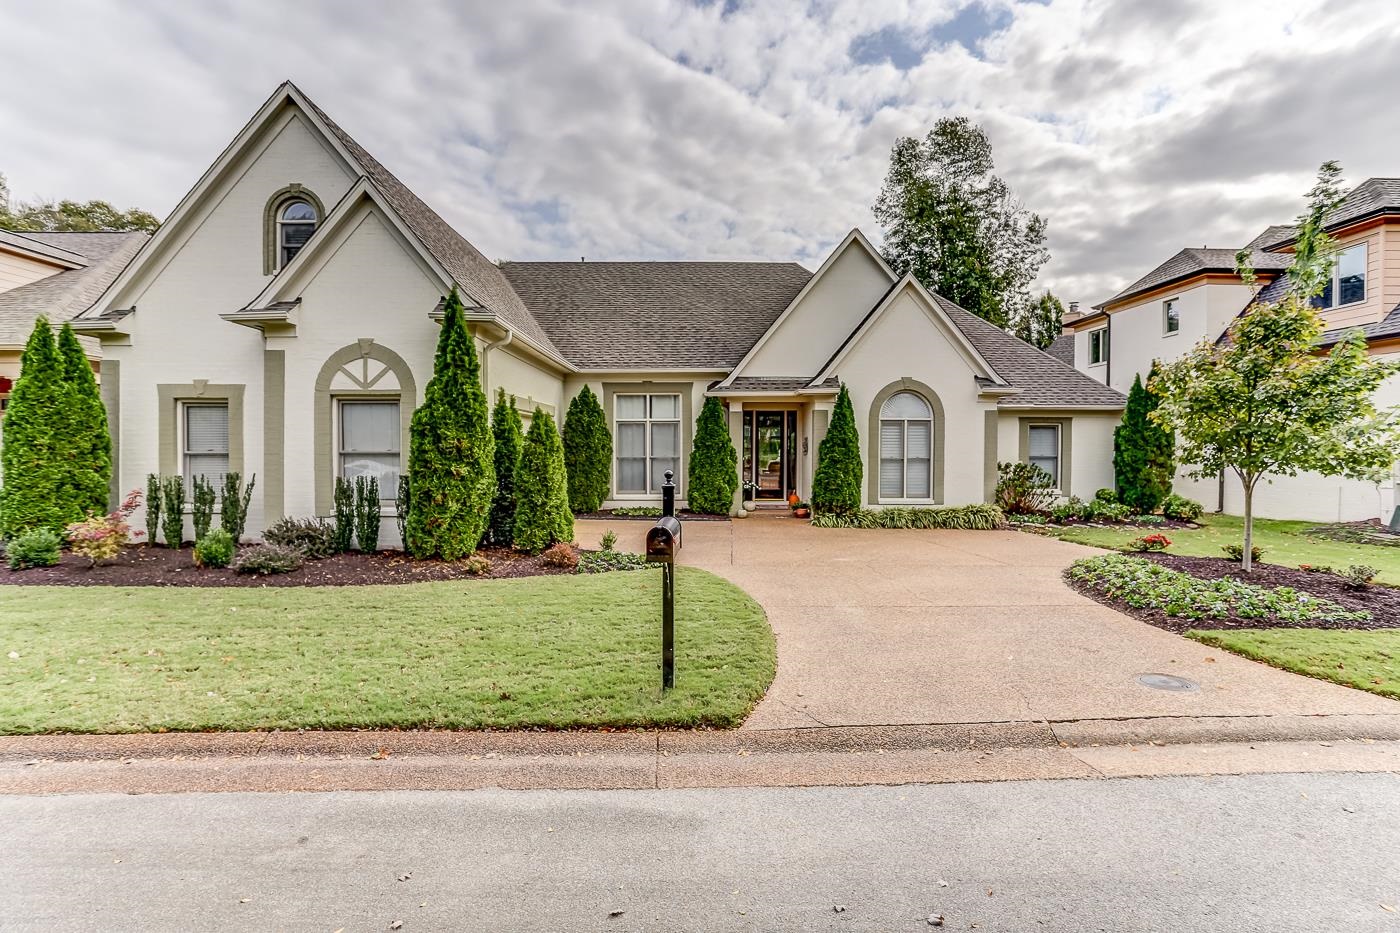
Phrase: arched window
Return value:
(296, 221)
(906, 447)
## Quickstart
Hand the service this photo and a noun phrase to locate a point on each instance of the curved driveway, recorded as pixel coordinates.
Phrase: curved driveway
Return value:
(879, 627)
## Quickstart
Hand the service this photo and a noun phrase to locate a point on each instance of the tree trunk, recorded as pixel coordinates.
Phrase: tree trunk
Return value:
(1247, 558)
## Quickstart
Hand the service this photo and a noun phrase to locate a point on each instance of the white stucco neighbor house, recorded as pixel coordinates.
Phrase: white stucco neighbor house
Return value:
(1196, 294)
(283, 319)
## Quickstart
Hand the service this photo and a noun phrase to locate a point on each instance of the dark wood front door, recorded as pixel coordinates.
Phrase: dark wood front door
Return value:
(770, 448)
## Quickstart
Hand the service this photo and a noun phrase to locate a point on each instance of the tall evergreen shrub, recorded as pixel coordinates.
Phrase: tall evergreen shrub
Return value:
(89, 446)
(202, 500)
(451, 452)
(152, 508)
(37, 490)
(836, 484)
(367, 515)
(344, 499)
(587, 452)
(1143, 452)
(713, 475)
(172, 510)
(542, 514)
(233, 507)
(509, 437)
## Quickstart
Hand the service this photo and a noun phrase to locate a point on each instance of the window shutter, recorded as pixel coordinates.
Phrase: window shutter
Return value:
(919, 483)
(892, 459)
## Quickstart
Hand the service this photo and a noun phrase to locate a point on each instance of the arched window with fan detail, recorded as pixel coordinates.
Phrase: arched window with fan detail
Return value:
(906, 448)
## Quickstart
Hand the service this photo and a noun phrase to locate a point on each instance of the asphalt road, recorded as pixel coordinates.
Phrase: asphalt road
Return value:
(1266, 852)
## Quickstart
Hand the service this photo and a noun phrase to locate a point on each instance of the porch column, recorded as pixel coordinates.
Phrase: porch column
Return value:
(736, 436)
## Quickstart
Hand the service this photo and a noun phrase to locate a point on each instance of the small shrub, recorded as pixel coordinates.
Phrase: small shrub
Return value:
(215, 549)
(1147, 520)
(1358, 576)
(1106, 495)
(1072, 509)
(267, 559)
(1024, 488)
(233, 508)
(313, 537)
(560, 555)
(37, 548)
(1182, 509)
(1029, 518)
(1154, 542)
(1102, 511)
(1236, 552)
(401, 508)
(102, 537)
(478, 565)
(344, 498)
(605, 561)
(152, 507)
(172, 508)
(638, 511)
(965, 517)
(1315, 568)
(609, 540)
(367, 513)
(202, 500)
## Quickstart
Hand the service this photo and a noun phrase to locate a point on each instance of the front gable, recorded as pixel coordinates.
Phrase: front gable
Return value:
(841, 293)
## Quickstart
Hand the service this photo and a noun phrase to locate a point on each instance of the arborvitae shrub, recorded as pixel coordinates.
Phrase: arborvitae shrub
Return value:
(153, 501)
(542, 514)
(37, 490)
(587, 452)
(172, 510)
(714, 464)
(509, 438)
(836, 484)
(88, 455)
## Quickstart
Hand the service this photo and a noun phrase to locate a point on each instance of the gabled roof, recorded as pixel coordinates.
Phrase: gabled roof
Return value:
(655, 315)
(62, 295)
(1374, 197)
(1063, 349)
(1272, 234)
(1192, 262)
(55, 247)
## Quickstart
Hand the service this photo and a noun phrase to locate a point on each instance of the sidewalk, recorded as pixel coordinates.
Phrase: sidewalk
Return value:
(904, 754)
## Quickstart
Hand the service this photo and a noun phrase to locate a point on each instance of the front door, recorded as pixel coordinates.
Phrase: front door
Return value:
(770, 462)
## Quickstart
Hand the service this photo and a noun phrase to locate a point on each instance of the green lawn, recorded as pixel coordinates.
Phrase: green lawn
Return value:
(1366, 660)
(1283, 543)
(556, 652)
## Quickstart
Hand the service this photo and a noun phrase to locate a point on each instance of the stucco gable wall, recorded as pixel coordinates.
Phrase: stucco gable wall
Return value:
(905, 342)
(816, 325)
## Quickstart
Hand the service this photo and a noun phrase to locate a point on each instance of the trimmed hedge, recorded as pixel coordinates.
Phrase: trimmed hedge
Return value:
(713, 474)
(963, 517)
(587, 452)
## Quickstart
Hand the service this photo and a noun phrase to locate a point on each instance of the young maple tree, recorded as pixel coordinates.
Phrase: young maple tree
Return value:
(1265, 400)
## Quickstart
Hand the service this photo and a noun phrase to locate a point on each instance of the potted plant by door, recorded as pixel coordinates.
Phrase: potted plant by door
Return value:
(801, 510)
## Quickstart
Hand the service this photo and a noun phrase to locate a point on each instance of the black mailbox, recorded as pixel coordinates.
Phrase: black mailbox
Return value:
(664, 540)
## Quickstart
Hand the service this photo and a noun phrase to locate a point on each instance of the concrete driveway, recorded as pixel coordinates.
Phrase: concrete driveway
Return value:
(901, 627)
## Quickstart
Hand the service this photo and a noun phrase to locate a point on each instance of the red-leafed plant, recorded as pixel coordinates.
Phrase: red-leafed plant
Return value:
(102, 537)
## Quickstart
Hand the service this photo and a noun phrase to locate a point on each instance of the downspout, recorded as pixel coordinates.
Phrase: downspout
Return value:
(486, 362)
(1108, 355)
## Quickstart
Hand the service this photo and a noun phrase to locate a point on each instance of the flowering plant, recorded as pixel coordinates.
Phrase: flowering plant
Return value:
(1152, 542)
(101, 537)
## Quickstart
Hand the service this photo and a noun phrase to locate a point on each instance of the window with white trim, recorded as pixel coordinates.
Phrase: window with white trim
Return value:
(1348, 282)
(1098, 346)
(906, 448)
(647, 442)
(1171, 316)
(296, 221)
(205, 443)
(369, 443)
(1043, 449)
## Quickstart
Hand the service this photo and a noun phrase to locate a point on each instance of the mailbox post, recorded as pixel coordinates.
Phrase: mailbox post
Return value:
(663, 540)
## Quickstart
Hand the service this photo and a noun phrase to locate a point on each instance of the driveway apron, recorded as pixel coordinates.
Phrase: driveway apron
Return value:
(882, 627)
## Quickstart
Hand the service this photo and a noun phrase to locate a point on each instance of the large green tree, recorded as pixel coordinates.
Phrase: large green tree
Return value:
(948, 218)
(542, 514)
(1144, 464)
(836, 484)
(713, 474)
(1041, 322)
(37, 490)
(1264, 401)
(587, 452)
(89, 456)
(451, 460)
(68, 216)
(509, 437)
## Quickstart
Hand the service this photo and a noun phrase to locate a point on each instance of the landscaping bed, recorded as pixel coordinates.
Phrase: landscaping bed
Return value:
(577, 652)
(646, 514)
(1383, 602)
(142, 565)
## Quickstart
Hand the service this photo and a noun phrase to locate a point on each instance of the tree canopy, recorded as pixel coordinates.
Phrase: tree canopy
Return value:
(69, 216)
(956, 225)
(1041, 323)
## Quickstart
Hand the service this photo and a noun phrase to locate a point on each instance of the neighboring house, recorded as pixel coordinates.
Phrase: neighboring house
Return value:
(1196, 294)
(55, 274)
(283, 320)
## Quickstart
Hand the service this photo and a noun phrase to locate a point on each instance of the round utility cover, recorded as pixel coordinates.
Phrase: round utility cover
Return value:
(1167, 682)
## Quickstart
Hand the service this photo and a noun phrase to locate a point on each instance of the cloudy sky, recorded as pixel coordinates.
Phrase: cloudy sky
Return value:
(747, 129)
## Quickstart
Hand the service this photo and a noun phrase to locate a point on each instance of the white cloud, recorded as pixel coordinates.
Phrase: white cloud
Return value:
(661, 128)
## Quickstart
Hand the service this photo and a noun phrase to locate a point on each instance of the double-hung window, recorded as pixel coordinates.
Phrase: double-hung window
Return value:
(648, 442)
(1171, 316)
(369, 443)
(1348, 282)
(1098, 346)
(906, 448)
(206, 442)
(1044, 449)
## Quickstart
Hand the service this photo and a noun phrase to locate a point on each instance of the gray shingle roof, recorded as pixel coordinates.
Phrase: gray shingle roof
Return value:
(779, 384)
(1063, 349)
(1273, 234)
(1374, 196)
(1191, 262)
(1044, 381)
(644, 315)
(38, 242)
(1388, 326)
(464, 262)
(62, 295)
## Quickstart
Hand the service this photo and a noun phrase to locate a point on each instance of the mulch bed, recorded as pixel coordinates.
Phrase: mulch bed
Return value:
(141, 565)
(684, 515)
(1383, 602)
